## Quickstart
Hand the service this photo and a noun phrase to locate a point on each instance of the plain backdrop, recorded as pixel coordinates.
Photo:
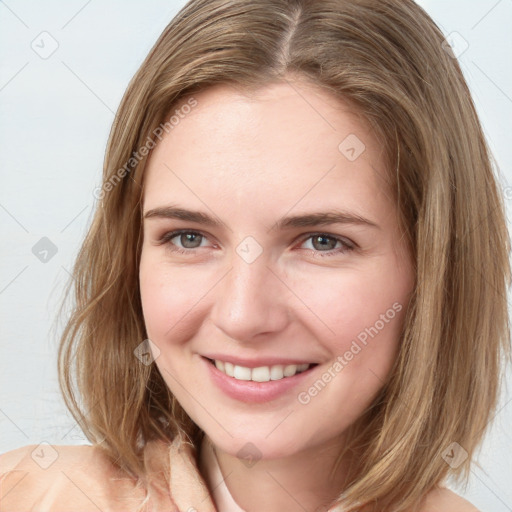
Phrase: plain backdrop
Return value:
(64, 67)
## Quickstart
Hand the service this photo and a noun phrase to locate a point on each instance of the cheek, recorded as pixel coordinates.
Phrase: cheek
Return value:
(364, 311)
(172, 299)
(166, 297)
(358, 313)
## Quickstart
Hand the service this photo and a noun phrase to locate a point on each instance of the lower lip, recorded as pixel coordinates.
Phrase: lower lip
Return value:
(254, 392)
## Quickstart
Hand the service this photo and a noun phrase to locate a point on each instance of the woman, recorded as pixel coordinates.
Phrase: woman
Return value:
(281, 302)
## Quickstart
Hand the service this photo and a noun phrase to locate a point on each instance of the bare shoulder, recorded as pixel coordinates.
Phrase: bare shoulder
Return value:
(442, 499)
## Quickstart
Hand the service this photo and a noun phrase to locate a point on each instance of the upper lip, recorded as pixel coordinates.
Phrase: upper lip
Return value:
(256, 362)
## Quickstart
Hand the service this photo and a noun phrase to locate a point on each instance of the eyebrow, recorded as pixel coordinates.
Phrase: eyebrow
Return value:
(288, 222)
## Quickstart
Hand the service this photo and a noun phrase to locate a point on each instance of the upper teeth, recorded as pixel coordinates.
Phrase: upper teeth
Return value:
(262, 373)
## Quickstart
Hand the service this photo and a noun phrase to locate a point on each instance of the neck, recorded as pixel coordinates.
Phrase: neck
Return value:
(302, 481)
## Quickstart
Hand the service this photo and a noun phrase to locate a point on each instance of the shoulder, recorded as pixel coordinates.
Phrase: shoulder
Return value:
(49, 459)
(57, 476)
(442, 499)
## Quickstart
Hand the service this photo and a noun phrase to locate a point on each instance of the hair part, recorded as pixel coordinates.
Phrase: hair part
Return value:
(386, 59)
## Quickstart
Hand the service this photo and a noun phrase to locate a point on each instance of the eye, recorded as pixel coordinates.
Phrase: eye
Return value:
(190, 240)
(323, 244)
(329, 245)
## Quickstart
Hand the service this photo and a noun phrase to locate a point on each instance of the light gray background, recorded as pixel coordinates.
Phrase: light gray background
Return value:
(55, 116)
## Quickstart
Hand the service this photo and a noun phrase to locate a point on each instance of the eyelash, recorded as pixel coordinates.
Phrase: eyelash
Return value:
(348, 246)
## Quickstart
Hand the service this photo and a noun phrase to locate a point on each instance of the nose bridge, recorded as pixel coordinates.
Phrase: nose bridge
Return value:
(249, 300)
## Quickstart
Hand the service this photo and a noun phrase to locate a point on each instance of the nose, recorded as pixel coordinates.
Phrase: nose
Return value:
(250, 300)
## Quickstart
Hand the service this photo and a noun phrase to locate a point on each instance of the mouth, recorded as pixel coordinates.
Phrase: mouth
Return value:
(261, 373)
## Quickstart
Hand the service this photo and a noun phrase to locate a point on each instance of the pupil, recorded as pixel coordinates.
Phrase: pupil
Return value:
(189, 238)
(319, 238)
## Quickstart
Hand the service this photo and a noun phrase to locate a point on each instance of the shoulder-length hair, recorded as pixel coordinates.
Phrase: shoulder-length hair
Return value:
(390, 60)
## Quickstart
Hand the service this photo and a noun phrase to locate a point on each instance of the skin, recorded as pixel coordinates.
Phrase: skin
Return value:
(248, 160)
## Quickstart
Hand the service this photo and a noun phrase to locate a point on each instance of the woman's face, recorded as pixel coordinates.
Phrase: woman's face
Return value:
(289, 258)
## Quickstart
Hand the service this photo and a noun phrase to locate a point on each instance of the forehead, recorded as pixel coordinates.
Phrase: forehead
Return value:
(276, 147)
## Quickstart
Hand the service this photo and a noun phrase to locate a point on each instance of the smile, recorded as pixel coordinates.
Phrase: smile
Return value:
(261, 373)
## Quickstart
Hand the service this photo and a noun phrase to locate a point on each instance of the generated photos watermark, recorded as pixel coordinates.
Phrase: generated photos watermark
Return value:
(357, 345)
(137, 156)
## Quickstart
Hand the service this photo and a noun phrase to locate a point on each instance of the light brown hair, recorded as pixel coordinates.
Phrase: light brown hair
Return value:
(388, 58)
